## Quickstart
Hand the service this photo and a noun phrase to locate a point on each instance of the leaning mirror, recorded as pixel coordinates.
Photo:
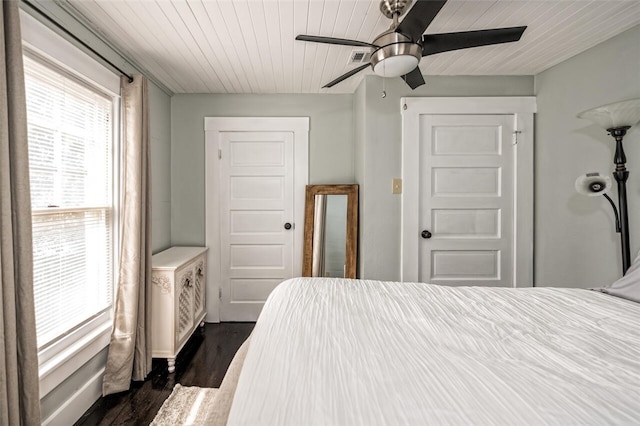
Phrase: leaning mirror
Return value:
(330, 231)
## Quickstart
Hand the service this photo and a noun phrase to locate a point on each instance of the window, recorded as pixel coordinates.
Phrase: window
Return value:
(71, 151)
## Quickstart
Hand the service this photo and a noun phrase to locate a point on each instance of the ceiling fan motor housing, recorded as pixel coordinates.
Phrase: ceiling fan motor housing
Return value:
(396, 56)
(393, 7)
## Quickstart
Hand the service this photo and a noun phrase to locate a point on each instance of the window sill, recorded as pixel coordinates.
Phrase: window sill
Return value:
(59, 367)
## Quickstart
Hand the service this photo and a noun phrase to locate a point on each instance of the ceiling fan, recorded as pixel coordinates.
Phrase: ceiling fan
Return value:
(397, 51)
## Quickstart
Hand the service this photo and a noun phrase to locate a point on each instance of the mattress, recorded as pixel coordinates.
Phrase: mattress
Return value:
(349, 352)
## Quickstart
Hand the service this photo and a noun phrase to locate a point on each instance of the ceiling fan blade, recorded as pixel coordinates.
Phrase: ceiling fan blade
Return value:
(419, 17)
(437, 43)
(345, 76)
(414, 78)
(333, 40)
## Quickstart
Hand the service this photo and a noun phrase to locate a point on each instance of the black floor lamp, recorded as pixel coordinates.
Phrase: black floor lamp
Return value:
(617, 119)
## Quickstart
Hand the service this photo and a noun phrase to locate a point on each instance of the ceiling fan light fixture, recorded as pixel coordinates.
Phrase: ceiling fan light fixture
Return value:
(397, 51)
(397, 56)
(395, 66)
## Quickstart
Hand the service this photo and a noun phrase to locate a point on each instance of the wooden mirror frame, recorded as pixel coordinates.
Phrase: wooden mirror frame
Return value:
(351, 191)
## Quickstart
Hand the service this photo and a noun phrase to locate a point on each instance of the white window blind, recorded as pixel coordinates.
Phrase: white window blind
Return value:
(70, 127)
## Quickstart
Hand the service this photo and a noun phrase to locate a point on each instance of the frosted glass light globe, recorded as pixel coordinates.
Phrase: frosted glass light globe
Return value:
(395, 66)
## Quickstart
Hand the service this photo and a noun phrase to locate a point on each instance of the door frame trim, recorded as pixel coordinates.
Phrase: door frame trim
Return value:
(214, 125)
(522, 108)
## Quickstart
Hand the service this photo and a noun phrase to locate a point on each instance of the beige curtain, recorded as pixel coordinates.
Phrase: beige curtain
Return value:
(19, 394)
(130, 348)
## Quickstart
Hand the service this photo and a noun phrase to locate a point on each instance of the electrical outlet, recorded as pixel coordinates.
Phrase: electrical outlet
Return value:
(397, 186)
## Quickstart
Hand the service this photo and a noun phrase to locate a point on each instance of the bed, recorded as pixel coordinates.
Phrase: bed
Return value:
(346, 352)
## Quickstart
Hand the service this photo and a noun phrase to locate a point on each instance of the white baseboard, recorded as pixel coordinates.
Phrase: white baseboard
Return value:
(78, 403)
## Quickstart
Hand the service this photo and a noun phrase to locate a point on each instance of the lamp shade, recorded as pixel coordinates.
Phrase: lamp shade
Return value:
(619, 114)
(593, 184)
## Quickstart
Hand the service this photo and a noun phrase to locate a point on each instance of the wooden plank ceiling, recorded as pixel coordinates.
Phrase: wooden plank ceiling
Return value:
(248, 46)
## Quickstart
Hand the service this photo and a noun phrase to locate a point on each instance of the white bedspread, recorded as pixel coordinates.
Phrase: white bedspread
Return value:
(354, 352)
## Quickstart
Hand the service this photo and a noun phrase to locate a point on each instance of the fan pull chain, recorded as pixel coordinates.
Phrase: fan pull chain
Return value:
(384, 81)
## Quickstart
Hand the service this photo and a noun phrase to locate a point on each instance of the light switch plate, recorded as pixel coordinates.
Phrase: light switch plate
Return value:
(397, 186)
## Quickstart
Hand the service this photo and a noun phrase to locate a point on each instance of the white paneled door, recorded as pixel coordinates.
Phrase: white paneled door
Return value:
(257, 210)
(468, 189)
(466, 199)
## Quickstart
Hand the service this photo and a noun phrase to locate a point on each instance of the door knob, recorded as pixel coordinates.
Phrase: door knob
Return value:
(426, 234)
(287, 226)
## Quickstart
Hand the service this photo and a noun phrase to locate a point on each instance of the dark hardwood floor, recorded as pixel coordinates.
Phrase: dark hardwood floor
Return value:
(202, 362)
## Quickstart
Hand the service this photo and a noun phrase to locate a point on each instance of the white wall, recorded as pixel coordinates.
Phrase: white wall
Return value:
(378, 149)
(352, 138)
(359, 116)
(575, 244)
(160, 132)
(330, 146)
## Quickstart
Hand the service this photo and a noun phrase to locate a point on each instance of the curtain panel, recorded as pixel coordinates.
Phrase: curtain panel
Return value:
(130, 347)
(19, 385)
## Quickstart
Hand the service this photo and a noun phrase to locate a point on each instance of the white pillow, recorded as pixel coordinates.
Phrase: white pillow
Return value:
(627, 287)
